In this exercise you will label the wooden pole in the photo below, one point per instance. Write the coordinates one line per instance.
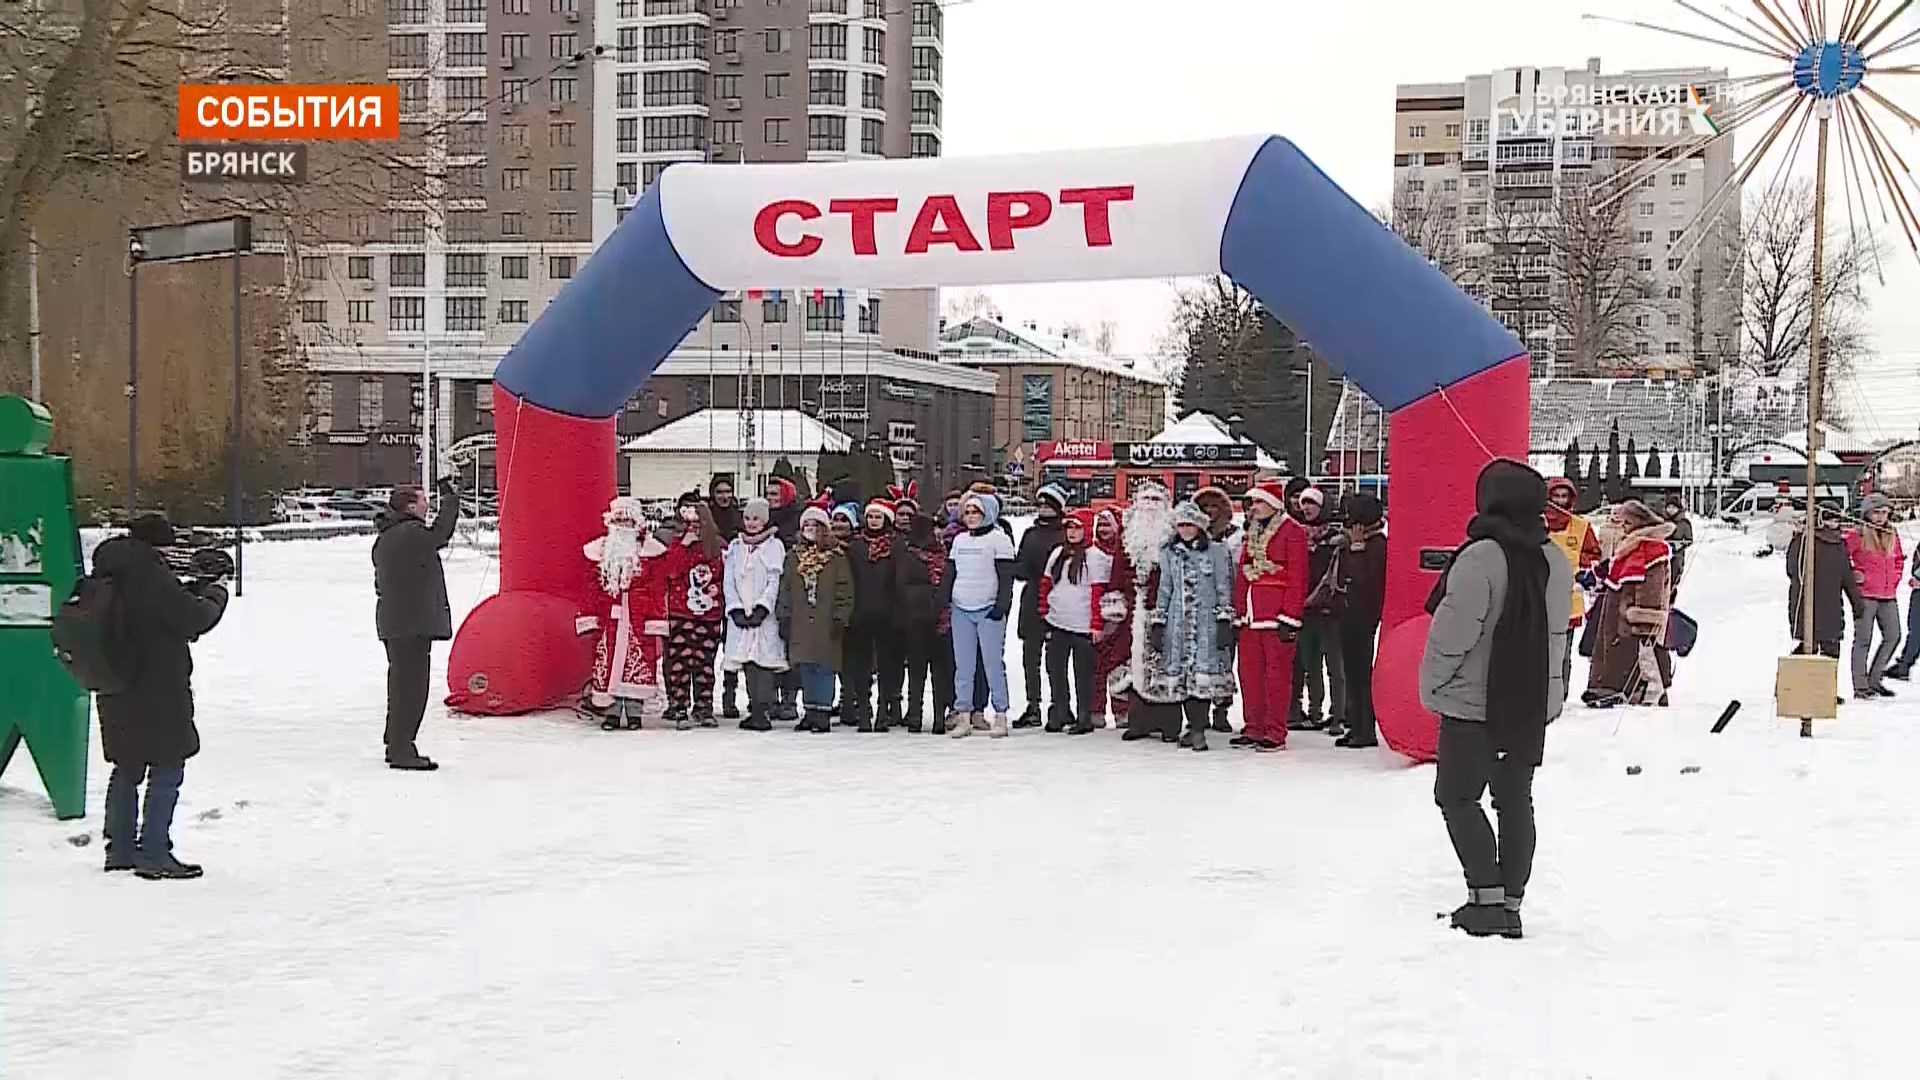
(1824, 110)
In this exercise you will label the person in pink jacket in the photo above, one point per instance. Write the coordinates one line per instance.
(1879, 564)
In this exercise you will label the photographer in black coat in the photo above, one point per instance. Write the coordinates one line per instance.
(411, 612)
(147, 729)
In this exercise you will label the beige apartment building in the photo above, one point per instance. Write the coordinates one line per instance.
(1476, 176)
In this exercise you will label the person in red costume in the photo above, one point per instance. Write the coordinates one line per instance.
(626, 662)
(1269, 599)
(1113, 642)
(695, 566)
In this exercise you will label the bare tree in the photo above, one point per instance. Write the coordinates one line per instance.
(969, 305)
(1105, 334)
(1777, 298)
(1429, 220)
(1603, 289)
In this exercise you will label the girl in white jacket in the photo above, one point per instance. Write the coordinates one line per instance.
(755, 561)
(1070, 591)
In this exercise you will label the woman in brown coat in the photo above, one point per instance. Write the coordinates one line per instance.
(1635, 593)
(814, 607)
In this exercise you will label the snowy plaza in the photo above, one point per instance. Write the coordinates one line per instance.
(559, 901)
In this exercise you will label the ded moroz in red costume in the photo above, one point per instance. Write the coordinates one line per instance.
(626, 663)
(1269, 597)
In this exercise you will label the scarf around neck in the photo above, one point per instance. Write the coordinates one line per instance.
(812, 559)
(1517, 676)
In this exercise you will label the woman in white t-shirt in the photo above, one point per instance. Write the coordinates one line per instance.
(1070, 590)
(981, 561)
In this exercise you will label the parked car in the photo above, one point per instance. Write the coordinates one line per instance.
(353, 509)
(303, 510)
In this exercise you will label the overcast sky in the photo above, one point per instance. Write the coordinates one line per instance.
(1030, 75)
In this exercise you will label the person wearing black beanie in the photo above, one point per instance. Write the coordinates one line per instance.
(1492, 673)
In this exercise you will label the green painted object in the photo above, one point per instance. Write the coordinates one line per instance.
(39, 563)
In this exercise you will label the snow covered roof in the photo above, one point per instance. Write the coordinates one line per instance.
(1205, 429)
(775, 431)
(983, 340)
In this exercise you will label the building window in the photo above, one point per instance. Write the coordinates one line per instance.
(923, 145)
(360, 312)
(564, 46)
(1450, 184)
(676, 88)
(466, 271)
(726, 86)
(465, 227)
(515, 7)
(406, 50)
(467, 50)
(359, 268)
(513, 179)
(628, 45)
(1643, 236)
(1675, 264)
(626, 177)
(827, 87)
(513, 135)
(1674, 292)
(313, 311)
(673, 43)
(1416, 131)
(926, 64)
(871, 132)
(406, 313)
(775, 130)
(873, 46)
(927, 17)
(1036, 407)
(1674, 235)
(466, 313)
(873, 91)
(726, 42)
(466, 11)
(772, 310)
(1643, 264)
(674, 133)
(513, 223)
(562, 224)
(650, 172)
(726, 132)
(560, 267)
(1678, 180)
(627, 135)
(513, 312)
(627, 96)
(1453, 131)
(1641, 322)
(407, 271)
(466, 180)
(313, 267)
(926, 108)
(561, 179)
(1673, 348)
(514, 92)
(413, 96)
(1673, 318)
(373, 403)
(726, 311)
(1645, 209)
(563, 91)
(407, 12)
(779, 41)
(826, 7)
(513, 267)
(468, 137)
(870, 316)
(826, 132)
(563, 7)
(513, 46)
(777, 85)
(825, 41)
(826, 313)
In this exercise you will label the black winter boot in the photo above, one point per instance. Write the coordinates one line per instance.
(1487, 920)
(1220, 722)
(167, 868)
(1030, 718)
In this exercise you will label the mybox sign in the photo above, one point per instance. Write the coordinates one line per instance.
(894, 224)
(1145, 454)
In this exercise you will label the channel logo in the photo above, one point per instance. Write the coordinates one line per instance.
(273, 113)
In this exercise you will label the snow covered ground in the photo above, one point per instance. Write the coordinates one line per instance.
(561, 902)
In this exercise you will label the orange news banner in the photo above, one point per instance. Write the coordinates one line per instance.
(277, 113)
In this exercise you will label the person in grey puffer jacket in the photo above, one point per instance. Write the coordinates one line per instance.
(1493, 672)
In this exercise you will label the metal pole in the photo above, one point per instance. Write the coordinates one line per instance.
(1825, 109)
(33, 309)
(133, 382)
(1309, 448)
(426, 409)
(236, 498)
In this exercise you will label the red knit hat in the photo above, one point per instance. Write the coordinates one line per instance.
(784, 487)
(884, 506)
(1271, 492)
(1082, 517)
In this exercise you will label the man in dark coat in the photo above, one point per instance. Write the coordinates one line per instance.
(411, 612)
(1029, 566)
(873, 643)
(147, 730)
(1834, 589)
(726, 508)
(1675, 511)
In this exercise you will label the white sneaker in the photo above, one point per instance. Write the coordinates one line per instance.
(960, 725)
(997, 728)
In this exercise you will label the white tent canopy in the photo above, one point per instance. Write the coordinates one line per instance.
(1206, 429)
(722, 431)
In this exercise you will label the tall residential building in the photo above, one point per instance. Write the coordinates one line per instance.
(537, 124)
(1479, 169)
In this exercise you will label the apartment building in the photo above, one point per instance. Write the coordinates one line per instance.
(1480, 164)
(530, 128)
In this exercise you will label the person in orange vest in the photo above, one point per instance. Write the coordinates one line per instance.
(1575, 537)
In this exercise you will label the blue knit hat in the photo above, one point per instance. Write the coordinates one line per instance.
(989, 506)
(850, 511)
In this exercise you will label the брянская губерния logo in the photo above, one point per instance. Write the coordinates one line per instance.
(1625, 109)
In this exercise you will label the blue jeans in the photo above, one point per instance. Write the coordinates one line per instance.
(1911, 652)
(124, 827)
(978, 639)
(816, 685)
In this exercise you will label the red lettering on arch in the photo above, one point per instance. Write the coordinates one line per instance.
(1096, 203)
(766, 228)
(1034, 210)
(940, 222)
(863, 211)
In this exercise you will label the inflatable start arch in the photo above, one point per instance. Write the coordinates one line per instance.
(1255, 209)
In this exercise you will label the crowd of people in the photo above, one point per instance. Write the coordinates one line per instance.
(889, 615)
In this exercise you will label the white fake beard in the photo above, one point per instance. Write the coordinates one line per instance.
(619, 559)
(1148, 527)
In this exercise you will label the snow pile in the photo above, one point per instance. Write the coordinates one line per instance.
(562, 902)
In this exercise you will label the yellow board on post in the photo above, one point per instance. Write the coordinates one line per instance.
(1807, 688)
